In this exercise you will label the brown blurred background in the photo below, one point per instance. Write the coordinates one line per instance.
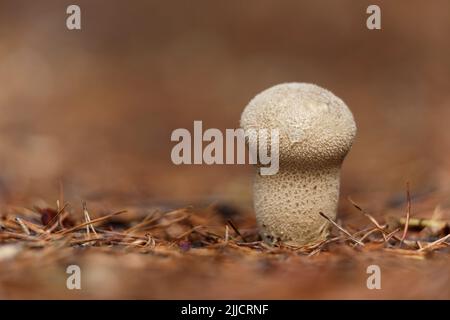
(95, 108)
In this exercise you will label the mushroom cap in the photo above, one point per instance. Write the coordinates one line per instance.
(315, 127)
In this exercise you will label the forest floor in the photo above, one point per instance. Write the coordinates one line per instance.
(215, 252)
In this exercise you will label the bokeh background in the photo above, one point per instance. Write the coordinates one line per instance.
(95, 108)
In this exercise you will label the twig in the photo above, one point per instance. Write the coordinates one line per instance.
(370, 217)
(53, 220)
(150, 242)
(342, 229)
(84, 241)
(226, 234)
(386, 235)
(419, 244)
(23, 226)
(236, 230)
(184, 234)
(369, 233)
(392, 234)
(435, 243)
(408, 214)
(149, 219)
(15, 235)
(88, 219)
(82, 225)
(59, 202)
(165, 225)
(33, 227)
(318, 247)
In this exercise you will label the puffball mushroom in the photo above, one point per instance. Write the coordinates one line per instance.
(316, 131)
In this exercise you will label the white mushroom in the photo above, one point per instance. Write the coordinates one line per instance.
(316, 131)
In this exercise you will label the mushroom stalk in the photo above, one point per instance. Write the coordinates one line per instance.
(288, 204)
